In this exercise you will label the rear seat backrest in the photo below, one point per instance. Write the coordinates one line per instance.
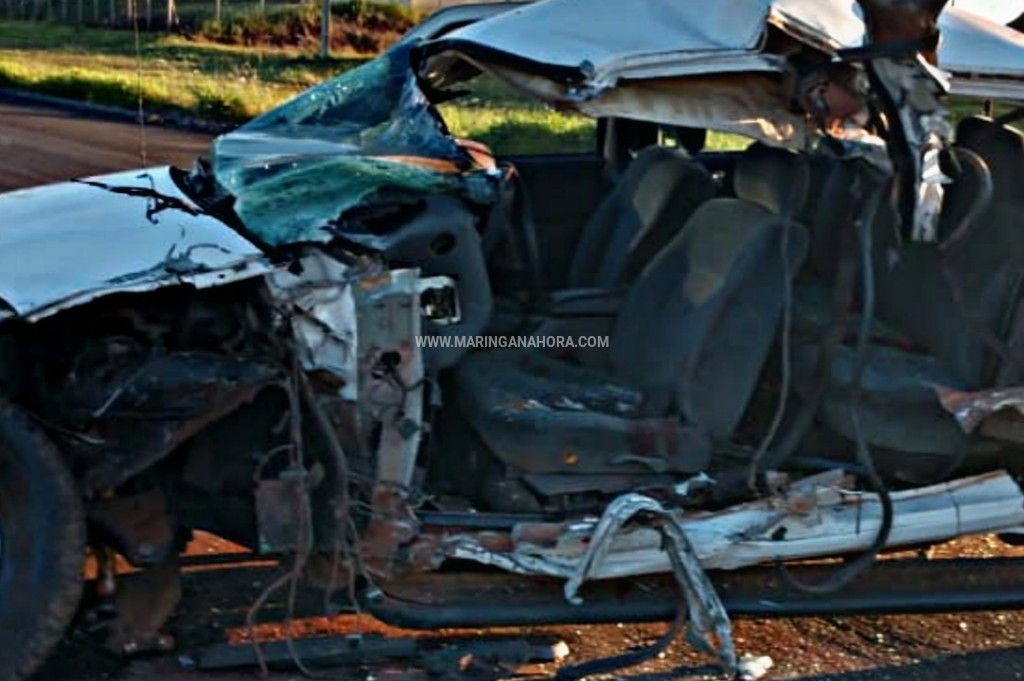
(1002, 149)
(956, 303)
(776, 179)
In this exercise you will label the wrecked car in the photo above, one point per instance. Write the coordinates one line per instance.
(814, 344)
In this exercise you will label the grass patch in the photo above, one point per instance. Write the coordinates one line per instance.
(223, 83)
(521, 131)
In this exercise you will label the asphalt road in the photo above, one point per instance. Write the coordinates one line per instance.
(39, 144)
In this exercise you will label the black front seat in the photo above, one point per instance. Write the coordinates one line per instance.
(686, 350)
(659, 191)
(657, 194)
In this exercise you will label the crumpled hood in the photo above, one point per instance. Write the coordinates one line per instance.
(65, 244)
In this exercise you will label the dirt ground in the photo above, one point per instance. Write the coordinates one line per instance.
(904, 648)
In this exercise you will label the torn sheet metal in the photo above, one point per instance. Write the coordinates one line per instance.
(977, 47)
(65, 244)
(391, 373)
(367, 137)
(709, 624)
(651, 68)
(667, 39)
(816, 517)
(391, 402)
(971, 409)
(322, 313)
(593, 44)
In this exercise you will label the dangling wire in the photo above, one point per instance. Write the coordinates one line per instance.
(846, 574)
(143, 155)
(797, 194)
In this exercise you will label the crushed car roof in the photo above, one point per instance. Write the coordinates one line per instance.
(588, 41)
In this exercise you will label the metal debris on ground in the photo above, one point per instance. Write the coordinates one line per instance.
(709, 629)
(753, 667)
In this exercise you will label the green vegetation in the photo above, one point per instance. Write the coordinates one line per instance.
(229, 83)
(521, 130)
(224, 83)
(356, 26)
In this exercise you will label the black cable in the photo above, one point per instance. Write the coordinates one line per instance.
(846, 574)
(842, 299)
(982, 201)
(797, 195)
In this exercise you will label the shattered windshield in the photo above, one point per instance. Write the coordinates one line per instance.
(367, 136)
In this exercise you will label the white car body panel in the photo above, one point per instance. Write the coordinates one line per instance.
(65, 244)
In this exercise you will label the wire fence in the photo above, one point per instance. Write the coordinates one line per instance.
(150, 14)
(169, 14)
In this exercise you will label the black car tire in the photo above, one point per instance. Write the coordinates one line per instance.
(42, 542)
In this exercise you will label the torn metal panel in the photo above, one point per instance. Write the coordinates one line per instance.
(748, 104)
(709, 623)
(972, 409)
(66, 244)
(391, 374)
(980, 49)
(668, 39)
(641, 70)
(598, 48)
(823, 24)
(391, 396)
(815, 518)
(146, 408)
(322, 314)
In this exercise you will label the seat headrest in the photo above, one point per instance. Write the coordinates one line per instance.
(649, 157)
(776, 179)
(979, 130)
(1002, 149)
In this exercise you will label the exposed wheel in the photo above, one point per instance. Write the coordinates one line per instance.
(42, 539)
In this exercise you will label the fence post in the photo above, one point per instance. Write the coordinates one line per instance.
(325, 29)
